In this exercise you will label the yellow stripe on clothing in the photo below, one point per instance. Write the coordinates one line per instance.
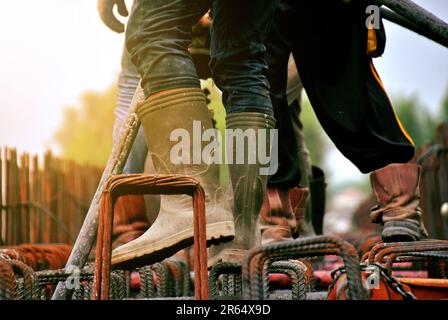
(377, 77)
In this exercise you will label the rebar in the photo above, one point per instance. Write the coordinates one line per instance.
(147, 285)
(370, 256)
(223, 268)
(163, 286)
(8, 284)
(25, 288)
(150, 184)
(295, 273)
(314, 246)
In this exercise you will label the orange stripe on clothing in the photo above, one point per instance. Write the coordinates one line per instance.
(377, 77)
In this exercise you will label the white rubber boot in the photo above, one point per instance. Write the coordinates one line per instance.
(173, 228)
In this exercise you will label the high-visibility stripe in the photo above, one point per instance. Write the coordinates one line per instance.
(377, 77)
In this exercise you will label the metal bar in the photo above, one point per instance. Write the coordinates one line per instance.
(200, 264)
(149, 184)
(371, 257)
(405, 23)
(220, 269)
(115, 164)
(423, 19)
(300, 248)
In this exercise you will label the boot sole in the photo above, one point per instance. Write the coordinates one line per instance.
(142, 255)
(400, 231)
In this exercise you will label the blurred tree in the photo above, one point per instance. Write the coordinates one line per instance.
(416, 118)
(85, 134)
(444, 111)
(316, 139)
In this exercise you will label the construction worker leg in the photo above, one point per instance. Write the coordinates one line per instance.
(238, 65)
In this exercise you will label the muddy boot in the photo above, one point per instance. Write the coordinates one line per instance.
(396, 188)
(168, 118)
(130, 220)
(299, 199)
(248, 186)
(276, 216)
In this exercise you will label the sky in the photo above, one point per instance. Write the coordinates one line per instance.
(52, 51)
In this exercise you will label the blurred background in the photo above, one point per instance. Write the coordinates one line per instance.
(59, 65)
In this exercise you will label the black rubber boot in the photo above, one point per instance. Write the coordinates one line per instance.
(248, 185)
(318, 198)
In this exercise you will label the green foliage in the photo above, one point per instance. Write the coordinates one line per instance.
(315, 138)
(416, 118)
(85, 134)
(219, 116)
(444, 107)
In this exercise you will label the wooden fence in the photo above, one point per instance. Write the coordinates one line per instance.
(434, 183)
(43, 200)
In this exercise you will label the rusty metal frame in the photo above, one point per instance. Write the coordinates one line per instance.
(388, 253)
(115, 165)
(141, 184)
(417, 256)
(254, 265)
(380, 251)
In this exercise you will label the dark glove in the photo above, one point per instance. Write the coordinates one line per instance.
(105, 9)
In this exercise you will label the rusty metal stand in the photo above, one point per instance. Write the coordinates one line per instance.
(115, 165)
(149, 184)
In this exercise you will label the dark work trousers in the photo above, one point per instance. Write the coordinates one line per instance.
(159, 32)
(329, 42)
(238, 53)
(158, 35)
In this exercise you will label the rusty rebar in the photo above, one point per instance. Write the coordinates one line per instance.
(147, 285)
(370, 256)
(163, 287)
(150, 184)
(379, 251)
(8, 284)
(256, 258)
(25, 289)
(177, 270)
(405, 256)
(295, 273)
(219, 269)
(260, 265)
